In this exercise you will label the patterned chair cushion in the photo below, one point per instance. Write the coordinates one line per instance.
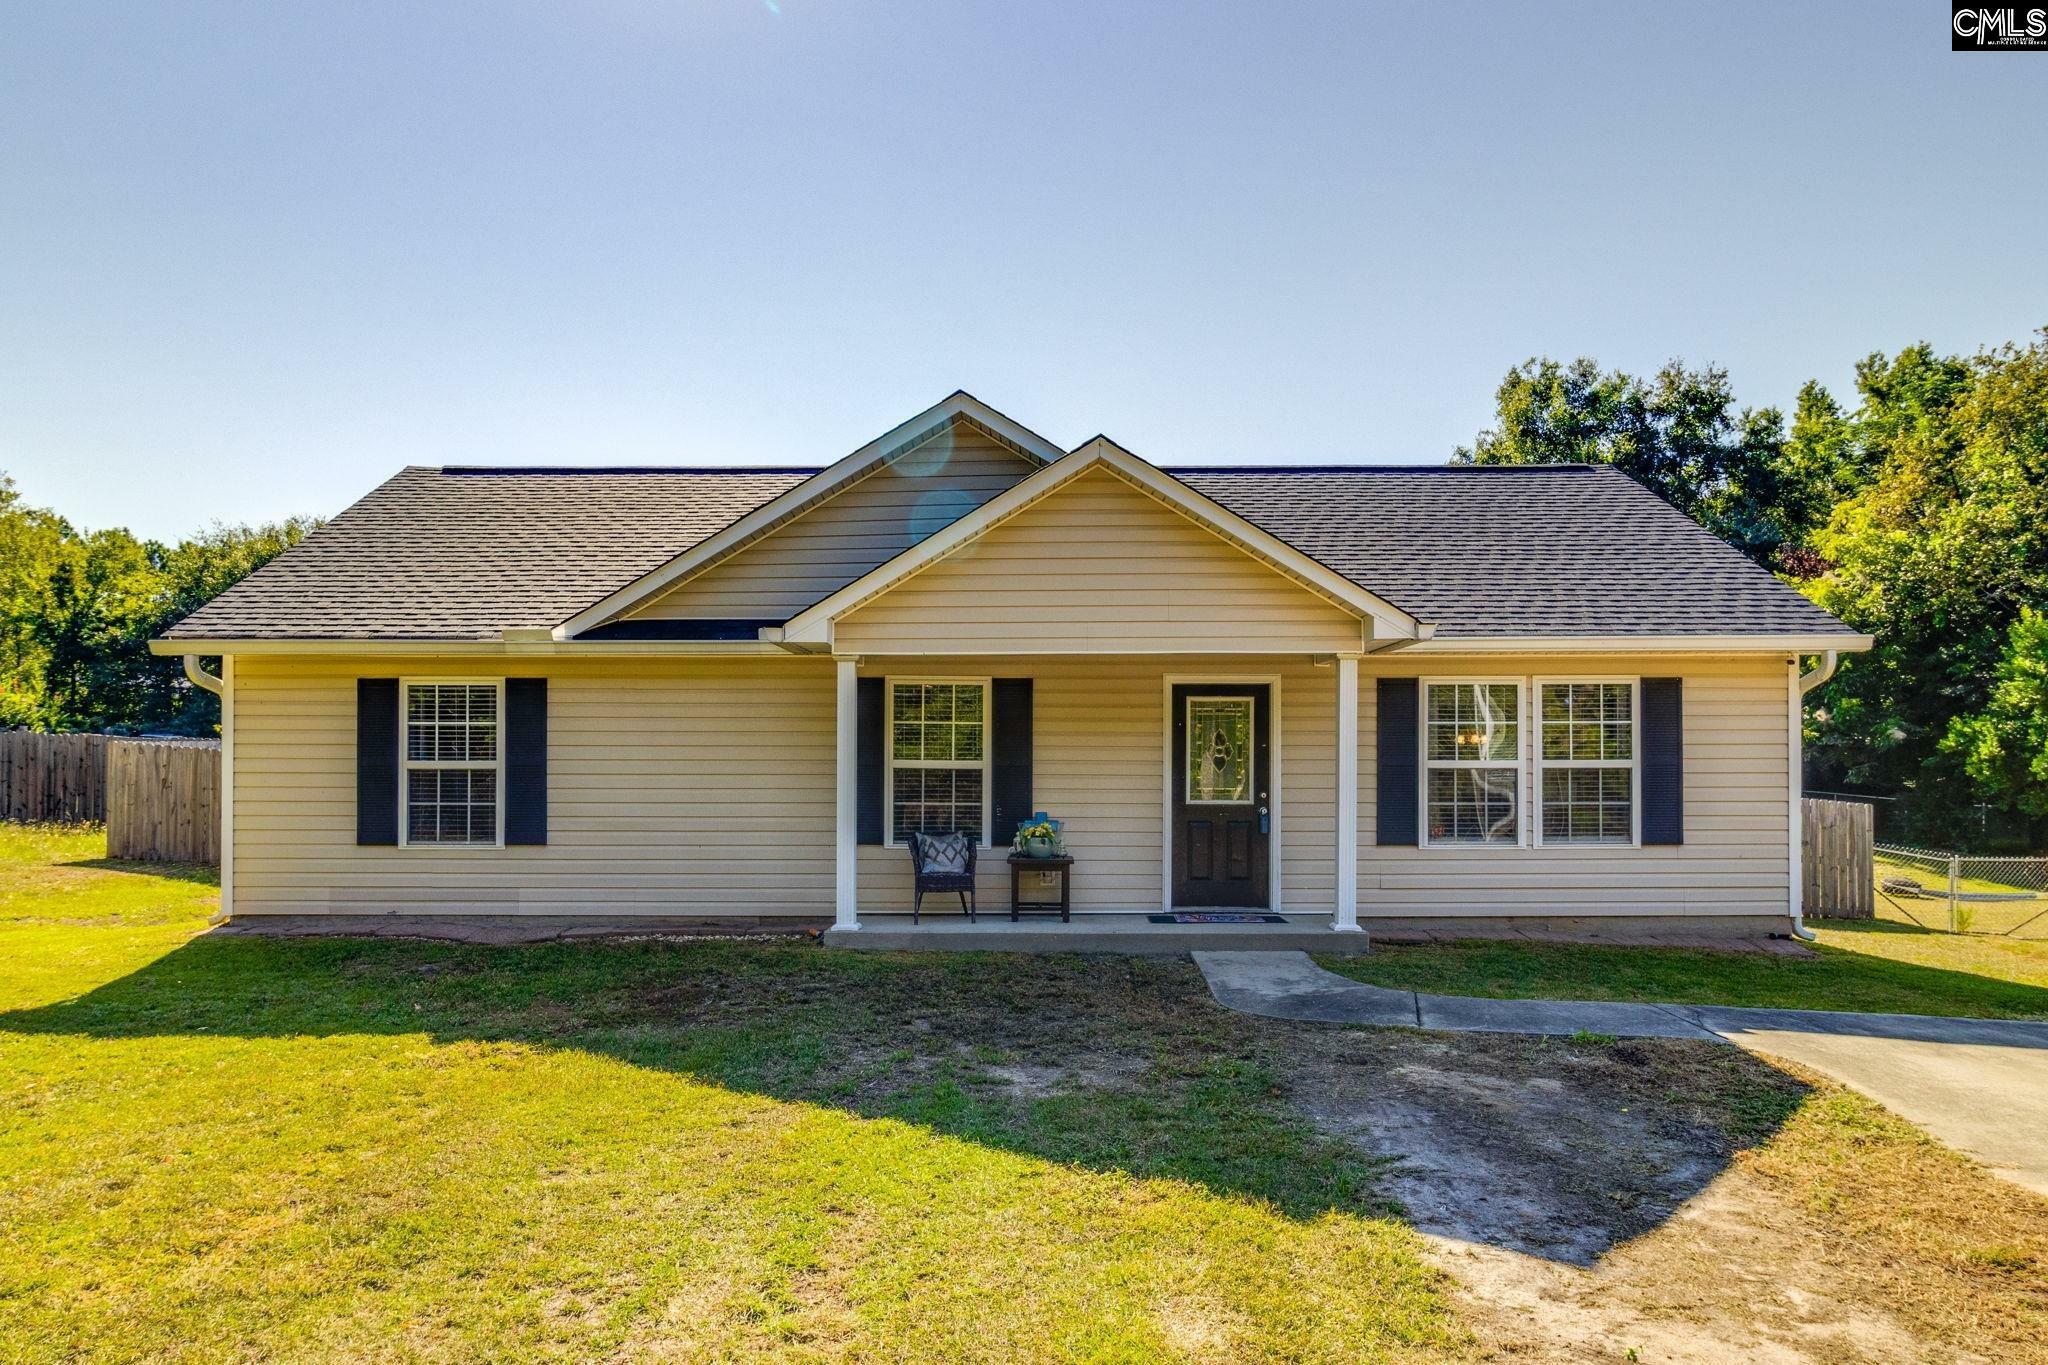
(944, 853)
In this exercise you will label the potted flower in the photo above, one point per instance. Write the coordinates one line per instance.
(1039, 839)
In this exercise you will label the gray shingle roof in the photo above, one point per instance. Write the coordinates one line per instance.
(463, 554)
(1518, 549)
(451, 554)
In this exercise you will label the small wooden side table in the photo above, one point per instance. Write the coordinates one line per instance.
(1064, 865)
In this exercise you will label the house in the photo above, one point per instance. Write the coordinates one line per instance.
(1358, 694)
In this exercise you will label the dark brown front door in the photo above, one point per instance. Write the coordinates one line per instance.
(1222, 818)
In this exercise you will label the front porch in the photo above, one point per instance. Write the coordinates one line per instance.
(1104, 932)
(1101, 742)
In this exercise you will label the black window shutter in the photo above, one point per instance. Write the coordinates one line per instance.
(872, 699)
(1663, 729)
(1010, 758)
(376, 760)
(1400, 773)
(526, 760)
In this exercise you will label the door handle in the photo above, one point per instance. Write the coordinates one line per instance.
(1265, 822)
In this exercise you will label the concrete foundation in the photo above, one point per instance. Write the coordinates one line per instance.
(518, 929)
(1087, 933)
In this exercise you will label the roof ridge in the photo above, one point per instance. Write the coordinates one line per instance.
(498, 470)
(1446, 468)
(559, 470)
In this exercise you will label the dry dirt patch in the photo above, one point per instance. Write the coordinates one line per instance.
(1674, 1199)
(1553, 1149)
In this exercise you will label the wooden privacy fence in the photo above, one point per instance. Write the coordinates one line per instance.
(160, 798)
(1836, 859)
(163, 801)
(52, 777)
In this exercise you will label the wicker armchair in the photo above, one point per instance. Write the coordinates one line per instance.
(925, 879)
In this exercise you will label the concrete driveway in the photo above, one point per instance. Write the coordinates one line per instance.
(1979, 1085)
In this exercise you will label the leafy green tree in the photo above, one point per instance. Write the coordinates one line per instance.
(190, 574)
(1937, 554)
(77, 613)
(1822, 465)
(1680, 434)
(97, 586)
(2004, 747)
(29, 543)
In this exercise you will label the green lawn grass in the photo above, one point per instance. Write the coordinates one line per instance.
(234, 1148)
(1880, 967)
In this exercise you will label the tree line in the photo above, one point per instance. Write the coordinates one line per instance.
(1917, 513)
(78, 609)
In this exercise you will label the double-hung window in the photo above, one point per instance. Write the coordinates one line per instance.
(938, 758)
(1586, 761)
(1472, 762)
(454, 763)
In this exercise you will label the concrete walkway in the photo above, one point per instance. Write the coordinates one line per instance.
(1979, 1085)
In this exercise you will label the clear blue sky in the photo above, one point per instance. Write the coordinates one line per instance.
(255, 257)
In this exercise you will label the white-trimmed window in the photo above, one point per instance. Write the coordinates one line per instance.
(1472, 762)
(452, 776)
(938, 757)
(1586, 760)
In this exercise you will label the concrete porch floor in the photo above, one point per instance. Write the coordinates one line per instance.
(1090, 933)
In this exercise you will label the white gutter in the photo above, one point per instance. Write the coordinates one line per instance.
(1424, 630)
(1795, 743)
(1646, 644)
(502, 648)
(200, 677)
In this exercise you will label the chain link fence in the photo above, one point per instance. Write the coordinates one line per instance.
(1962, 894)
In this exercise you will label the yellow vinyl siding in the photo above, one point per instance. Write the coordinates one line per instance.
(706, 787)
(823, 549)
(1734, 860)
(1306, 740)
(674, 788)
(1098, 566)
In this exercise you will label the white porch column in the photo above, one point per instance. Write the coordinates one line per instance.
(1346, 918)
(846, 875)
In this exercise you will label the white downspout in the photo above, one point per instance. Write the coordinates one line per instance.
(1795, 741)
(227, 788)
(1825, 670)
(199, 676)
(220, 687)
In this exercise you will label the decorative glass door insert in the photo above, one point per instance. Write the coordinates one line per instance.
(1219, 757)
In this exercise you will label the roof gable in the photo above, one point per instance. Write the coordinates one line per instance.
(813, 626)
(836, 539)
(901, 442)
(1100, 565)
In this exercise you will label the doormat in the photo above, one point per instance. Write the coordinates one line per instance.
(1215, 917)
